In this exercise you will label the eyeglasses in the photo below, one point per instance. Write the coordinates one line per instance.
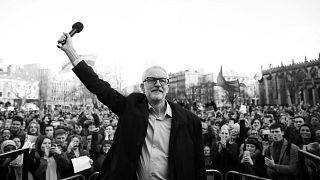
(152, 80)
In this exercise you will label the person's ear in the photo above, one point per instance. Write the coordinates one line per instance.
(142, 87)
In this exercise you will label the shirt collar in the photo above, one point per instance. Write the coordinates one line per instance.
(168, 111)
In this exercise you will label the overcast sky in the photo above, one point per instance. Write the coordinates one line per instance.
(130, 35)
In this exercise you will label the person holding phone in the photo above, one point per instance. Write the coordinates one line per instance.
(47, 160)
(252, 161)
(75, 150)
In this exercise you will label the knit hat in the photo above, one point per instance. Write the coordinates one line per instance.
(7, 143)
(254, 141)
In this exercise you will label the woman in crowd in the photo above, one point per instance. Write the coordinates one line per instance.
(47, 160)
(207, 157)
(75, 150)
(306, 136)
(224, 153)
(46, 120)
(256, 124)
(33, 128)
(252, 161)
(98, 152)
(5, 135)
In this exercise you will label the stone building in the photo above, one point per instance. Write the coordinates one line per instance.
(293, 84)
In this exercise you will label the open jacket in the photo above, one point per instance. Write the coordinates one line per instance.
(288, 166)
(38, 165)
(186, 159)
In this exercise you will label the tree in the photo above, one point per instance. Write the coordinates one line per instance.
(231, 97)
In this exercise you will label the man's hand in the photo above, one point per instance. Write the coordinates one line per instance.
(270, 162)
(68, 48)
(68, 42)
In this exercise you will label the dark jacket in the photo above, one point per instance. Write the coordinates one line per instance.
(227, 159)
(39, 165)
(288, 166)
(96, 153)
(258, 168)
(185, 145)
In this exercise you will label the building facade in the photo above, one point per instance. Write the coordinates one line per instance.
(291, 85)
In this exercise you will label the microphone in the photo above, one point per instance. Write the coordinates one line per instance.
(76, 28)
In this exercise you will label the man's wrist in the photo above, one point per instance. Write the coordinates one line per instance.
(73, 56)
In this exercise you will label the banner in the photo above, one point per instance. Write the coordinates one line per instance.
(230, 86)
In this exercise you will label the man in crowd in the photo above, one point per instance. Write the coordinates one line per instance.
(281, 157)
(292, 132)
(155, 138)
(16, 131)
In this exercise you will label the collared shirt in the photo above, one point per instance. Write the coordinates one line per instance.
(153, 162)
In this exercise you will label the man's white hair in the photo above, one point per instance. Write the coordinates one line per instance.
(153, 67)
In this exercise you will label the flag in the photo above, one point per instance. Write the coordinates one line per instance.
(230, 86)
(89, 59)
(257, 76)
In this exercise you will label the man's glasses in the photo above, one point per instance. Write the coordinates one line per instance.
(152, 80)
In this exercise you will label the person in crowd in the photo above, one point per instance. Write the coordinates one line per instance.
(317, 135)
(105, 123)
(210, 137)
(315, 122)
(18, 162)
(60, 138)
(46, 120)
(266, 120)
(17, 141)
(207, 157)
(49, 131)
(145, 119)
(47, 160)
(7, 171)
(16, 131)
(312, 167)
(33, 128)
(234, 135)
(7, 124)
(292, 132)
(306, 135)
(75, 150)
(5, 135)
(78, 130)
(98, 152)
(281, 158)
(252, 160)
(109, 134)
(256, 124)
(224, 153)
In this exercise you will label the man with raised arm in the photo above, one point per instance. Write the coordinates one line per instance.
(155, 138)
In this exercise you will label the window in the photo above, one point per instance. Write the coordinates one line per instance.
(0, 94)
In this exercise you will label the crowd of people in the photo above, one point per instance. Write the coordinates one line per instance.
(54, 139)
(263, 141)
